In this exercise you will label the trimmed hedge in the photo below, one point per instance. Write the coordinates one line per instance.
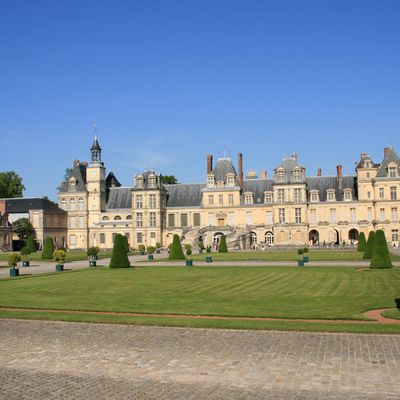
(380, 253)
(362, 242)
(119, 257)
(370, 245)
(31, 245)
(222, 245)
(48, 249)
(176, 252)
(126, 243)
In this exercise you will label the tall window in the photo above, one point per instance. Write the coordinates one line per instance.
(268, 198)
(139, 182)
(139, 201)
(152, 219)
(152, 182)
(248, 198)
(382, 214)
(139, 220)
(381, 193)
(268, 218)
(152, 201)
(331, 195)
(313, 216)
(102, 238)
(296, 175)
(211, 219)
(196, 219)
(171, 220)
(280, 176)
(269, 238)
(347, 195)
(297, 215)
(333, 215)
(369, 211)
(392, 172)
(393, 193)
(230, 199)
(139, 237)
(63, 204)
(72, 204)
(231, 180)
(297, 195)
(353, 215)
(314, 196)
(210, 199)
(231, 219)
(282, 218)
(81, 222)
(281, 196)
(249, 218)
(184, 220)
(395, 235)
(81, 204)
(368, 195)
(395, 216)
(221, 199)
(72, 222)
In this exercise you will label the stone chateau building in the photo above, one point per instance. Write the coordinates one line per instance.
(290, 208)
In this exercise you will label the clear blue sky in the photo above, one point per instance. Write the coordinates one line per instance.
(168, 82)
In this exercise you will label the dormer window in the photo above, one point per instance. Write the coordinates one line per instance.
(347, 195)
(230, 178)
(248, 198)
(330, 195)
(392, 172)
(268, 197)
(367, 164)
(152, 181)
(296, 175)
(72, 184)
(314, 196)
(139, 182)
(210, 181)
(280, 175)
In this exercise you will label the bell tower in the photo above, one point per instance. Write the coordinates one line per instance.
(96, 186)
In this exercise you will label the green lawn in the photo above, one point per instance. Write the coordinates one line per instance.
(284, 292)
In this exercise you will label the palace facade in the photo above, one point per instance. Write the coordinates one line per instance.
(290, 208)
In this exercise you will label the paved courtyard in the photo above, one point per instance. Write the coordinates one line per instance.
(58, 360)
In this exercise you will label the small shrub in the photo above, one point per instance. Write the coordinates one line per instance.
(25, 251)
(92, 251)
(119, 257)
(300, 252)
(222, 245)
(142, 248)
(380, 252)
(151, 249)
(176, 252)
(13, 259)
(62, 248)
(31, 245)
(188, 252)
(305, 250)
(59, 256)
(362, 243)
(48, 249)
(208, 249)
(158, 245)
(201, 245)
(187, 246)
(370, 245)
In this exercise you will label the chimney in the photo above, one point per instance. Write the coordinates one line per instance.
(264, 175)
(319, 172)
(84, 163)
(209, 164)
(364, 156)
(76, 163)
(294, 156)
(339, 176)
(240, 164)
(386, 151)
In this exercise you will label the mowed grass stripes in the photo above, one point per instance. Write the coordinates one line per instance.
(326, 293)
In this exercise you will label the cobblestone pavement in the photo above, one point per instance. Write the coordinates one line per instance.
(58, 360)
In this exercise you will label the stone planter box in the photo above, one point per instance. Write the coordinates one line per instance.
(25, 263)
(59, 267)
(208, 259)
(14, 272)
(150, 257)
(141, 253)
(300, 263)
(189, 263)
(158, 251)
(306, 259)
(92, 263)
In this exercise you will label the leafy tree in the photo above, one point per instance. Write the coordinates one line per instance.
(176, 252)
(10, 185)
(168, 180)
(362, 243)
(119, 257)
(60, 255)
(31, 245)
(370, 245)
(380, 253)
(13, 259)
(222, 245)
(67, 173)
(22, 228)
(48, 249)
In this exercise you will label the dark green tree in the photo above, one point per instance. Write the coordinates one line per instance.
(222, 245)
(168, 180)
(370, 245)
(362, 243)
(48, 249)
(119, 257)
(31, 245)
(22, 228)
(380, 253)
(126, 243)
(176, 252)
(10, 185)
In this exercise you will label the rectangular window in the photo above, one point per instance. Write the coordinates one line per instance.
(282, 218)
(297, 215)
(268, 198)
(281, 196)
(230, 199)
(231, 219)
(139, 201)
(248, 198)
(72, 240)
(184, 220)
(393, 193)
(152, 201)
(395, 216)
(381, 193)
(102, 238)
(331, 196)
(368, 195)
(171, 220)
(347, 195)
(353, 216)
(139, 237)
(313, 216)
(333, 215)
(152, 235)
(152, 219)
(139, 220)
(314, 196)
(221, 199)
(211, 219)
(249, 218)
(196, 219)
(395, 235)
(369, 214)
(210, 199)
(382, 214)
(392, 172)
(72, 222)
(81, 222)
(297, 195)
(268, 218)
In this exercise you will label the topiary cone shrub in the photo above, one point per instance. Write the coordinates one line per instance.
(119, 257)
(380, 253)
(126, 243)
(362, 243)
(222, 245)
(31, 245)
(370, 245)
(48, 249)
(176, 252)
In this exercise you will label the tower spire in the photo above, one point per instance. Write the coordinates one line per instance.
(95, 149)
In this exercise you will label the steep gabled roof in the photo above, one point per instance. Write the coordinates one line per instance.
(79, 173)
(257, 187)
(119, 197)
(223, 167)
(390, 156)
(184, 195)
(112, 181)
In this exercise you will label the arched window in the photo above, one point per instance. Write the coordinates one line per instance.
(269, 238)
(117, 218)
(72, 204)
(63, 204)
(105, 218)
(81, 204)
(129, 217)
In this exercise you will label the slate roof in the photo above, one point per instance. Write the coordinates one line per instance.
(222, 167)
(24, 204)
(289, 164)
(323, 183)
(184, 195)
(112, 180)
(146, 176)
(79, 173)
(390, 156)
(95, 145)
(257, 187)
(119, 197)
